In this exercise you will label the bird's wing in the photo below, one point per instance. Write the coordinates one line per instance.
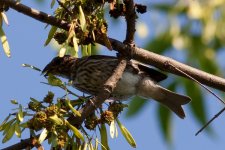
(101, 57)
(154, 74)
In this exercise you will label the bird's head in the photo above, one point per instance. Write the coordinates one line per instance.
(60, 66)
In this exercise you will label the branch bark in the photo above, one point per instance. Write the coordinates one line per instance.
(167, 64)
(23, 144)
(131, 17)
(102, 96)
(36, 14)
(136, 53)
(139, 54)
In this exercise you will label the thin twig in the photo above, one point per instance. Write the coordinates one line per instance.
(217, 115)
(36, 14)
(64, 88)
(220, 99)
(62, 5)
(97, 101)
(130, 16)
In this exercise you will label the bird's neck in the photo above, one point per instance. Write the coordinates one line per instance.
(66, 69)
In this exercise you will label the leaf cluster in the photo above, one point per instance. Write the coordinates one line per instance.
(49, 117)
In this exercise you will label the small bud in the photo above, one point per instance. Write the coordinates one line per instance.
(107, 117)
(91, 122)
(52, 110)
(141, 8)
(35, 106)
(116, 108)
(49, 97)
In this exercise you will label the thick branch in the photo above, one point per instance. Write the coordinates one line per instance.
(161, 62)
(23, 144)
(139, 54)
(131, 17)
(38, 15)
(166, 64)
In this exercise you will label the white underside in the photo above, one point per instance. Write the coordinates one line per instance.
(126, 86)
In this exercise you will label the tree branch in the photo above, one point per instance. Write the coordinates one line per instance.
(102, 96)
(161, 62)
(23, 144)
(90, 107)
(36, 14)
(164, 63)
(138, 54)
(131, 17)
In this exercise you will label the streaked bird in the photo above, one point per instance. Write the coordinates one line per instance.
(88, 74)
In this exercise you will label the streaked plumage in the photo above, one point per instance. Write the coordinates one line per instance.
(88, 74)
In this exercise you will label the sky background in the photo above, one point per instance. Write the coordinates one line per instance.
(27, 36)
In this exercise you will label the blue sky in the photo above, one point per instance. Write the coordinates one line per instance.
(27, 36)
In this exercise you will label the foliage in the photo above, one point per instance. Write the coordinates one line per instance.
(194, 27)
(50, 117)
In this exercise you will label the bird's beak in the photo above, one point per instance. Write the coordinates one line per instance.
(45, 71)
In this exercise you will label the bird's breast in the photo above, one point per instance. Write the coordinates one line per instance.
(126, 86)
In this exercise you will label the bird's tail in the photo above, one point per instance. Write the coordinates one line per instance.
(168, 98)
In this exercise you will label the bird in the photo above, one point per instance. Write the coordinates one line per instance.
(89, 73)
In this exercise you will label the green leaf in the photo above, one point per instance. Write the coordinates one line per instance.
(156, 45)
(51, 33)
(89, 49)
(113, 129)
(197, 103)
(7, 126)
(84, 50)
(135, 106)
(13, 101)
(24, 125)
(84, 146)
(43, 135)
(126, 134)
(106, 41)
(20, 114)
(75, 45)
(62, 52)
(32, 67)
(52, 3)
(2, 126)
(104, 137)
(82, 19)
(90, 146)
(72, 109)
(164, 115)
(54, 81)
(17, 130)
(9, 133)
(5, 18)
(96, 143)
(211, 67)
(56, 120)
(5, 43)
(75, 131)
(165, 122)
(34, 100)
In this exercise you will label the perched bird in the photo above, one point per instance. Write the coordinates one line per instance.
(88, 74)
